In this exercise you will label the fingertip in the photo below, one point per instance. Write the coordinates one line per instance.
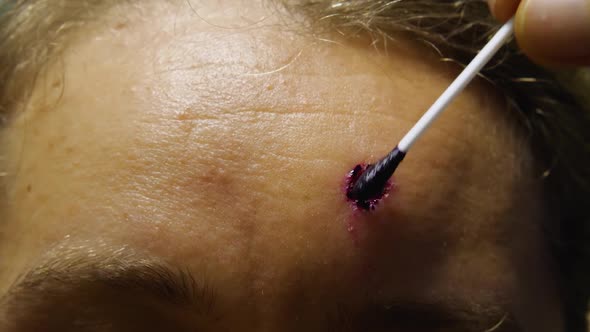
(558, 62)
(554, 33)
(543, 59)
(503, 10)
(492, 5)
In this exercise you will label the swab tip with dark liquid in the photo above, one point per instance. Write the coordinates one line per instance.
(372, 183)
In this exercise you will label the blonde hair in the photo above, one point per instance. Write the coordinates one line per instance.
(33, 33)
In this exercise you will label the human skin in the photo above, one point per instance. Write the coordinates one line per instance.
(550, 32)
(219, 144)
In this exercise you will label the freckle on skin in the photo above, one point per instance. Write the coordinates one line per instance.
(29, 188)
(120, 26)
(183, 116)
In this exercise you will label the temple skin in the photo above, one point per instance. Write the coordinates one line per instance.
(219, 143)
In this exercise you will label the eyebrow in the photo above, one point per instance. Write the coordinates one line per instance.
(122, 271)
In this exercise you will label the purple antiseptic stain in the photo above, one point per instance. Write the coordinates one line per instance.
(361, 207)
(363, 204)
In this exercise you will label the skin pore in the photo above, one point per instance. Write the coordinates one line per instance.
(214, 141)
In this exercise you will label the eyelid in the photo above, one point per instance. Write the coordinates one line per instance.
(426, 317)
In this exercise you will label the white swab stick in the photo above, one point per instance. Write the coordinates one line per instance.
(468, 74)
(373, 181)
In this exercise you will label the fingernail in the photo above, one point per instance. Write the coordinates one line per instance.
(555, 29)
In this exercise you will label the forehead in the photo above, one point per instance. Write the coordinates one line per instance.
(235, 129)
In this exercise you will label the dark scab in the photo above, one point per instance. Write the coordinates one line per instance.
(363, 204)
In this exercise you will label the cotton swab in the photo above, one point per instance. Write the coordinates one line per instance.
(373, 181)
